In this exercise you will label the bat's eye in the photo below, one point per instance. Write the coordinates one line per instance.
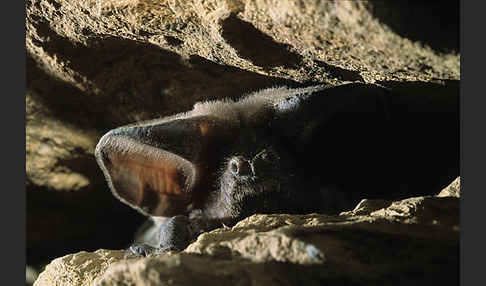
(267, 155)
(239, 166)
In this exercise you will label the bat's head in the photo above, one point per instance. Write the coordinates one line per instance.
(221, 164)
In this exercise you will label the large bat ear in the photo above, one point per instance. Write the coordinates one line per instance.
(154, 167)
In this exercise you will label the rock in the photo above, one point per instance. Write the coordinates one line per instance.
(409, 242)
(453, 190)
(78, 269)
(55, 150)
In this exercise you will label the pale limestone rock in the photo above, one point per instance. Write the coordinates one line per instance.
(415, 240)
(453, 190)
(78, 269)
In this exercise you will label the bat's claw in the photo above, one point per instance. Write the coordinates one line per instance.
(171, 236)
(139, 250)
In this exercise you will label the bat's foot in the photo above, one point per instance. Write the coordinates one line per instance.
(139, 250)
(174, 234)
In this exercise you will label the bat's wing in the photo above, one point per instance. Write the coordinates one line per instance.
(155, 167)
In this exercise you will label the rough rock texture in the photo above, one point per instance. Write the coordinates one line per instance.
(453, 190)
(78, 269)
(94, 65)
(409, 242)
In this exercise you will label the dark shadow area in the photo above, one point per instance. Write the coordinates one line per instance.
(173, 41)
(340, 73)
(63, 222)
(433, 23)
(398, 145)
(256, 46)
(59, 223)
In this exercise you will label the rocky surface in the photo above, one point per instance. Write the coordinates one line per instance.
(453, 190)
(81, 268)
(409, 242)
(95, 65)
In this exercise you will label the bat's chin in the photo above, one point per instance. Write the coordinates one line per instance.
(150, 179)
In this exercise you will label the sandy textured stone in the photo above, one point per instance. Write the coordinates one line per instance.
(414, 241)
(55, 149)
(453, 190)
(123, 61)
(78, 269)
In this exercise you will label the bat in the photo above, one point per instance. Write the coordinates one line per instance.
(278, 150)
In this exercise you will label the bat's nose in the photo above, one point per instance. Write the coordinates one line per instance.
(240, 166)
